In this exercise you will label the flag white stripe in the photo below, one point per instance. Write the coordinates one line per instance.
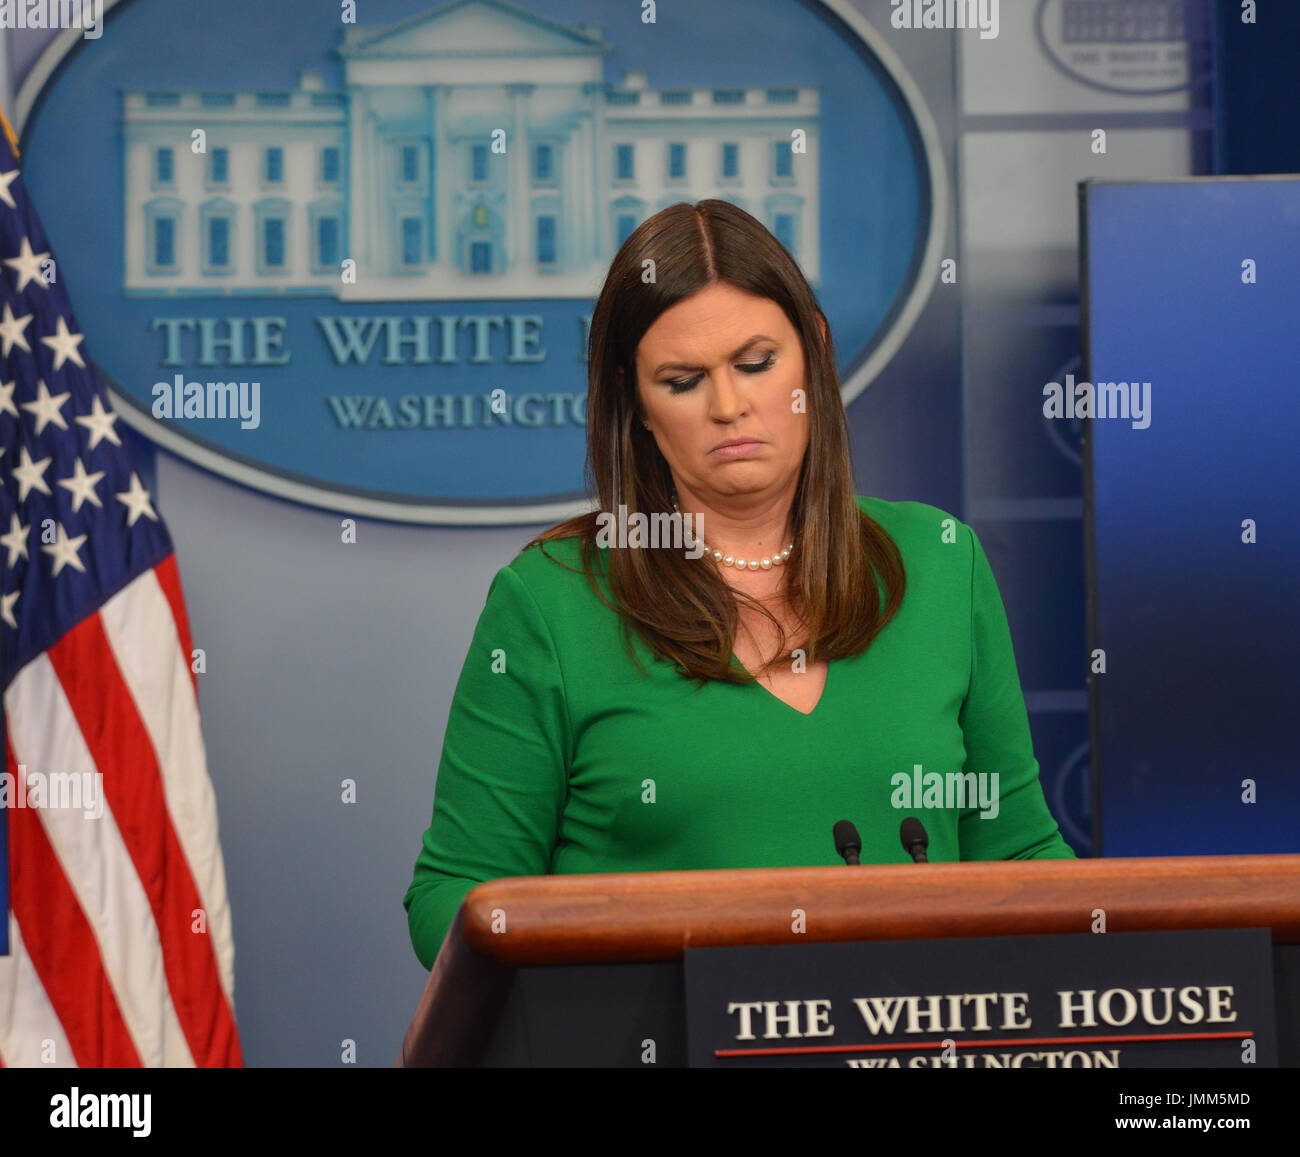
(45, 738)
(27, 1018)
(146, 645)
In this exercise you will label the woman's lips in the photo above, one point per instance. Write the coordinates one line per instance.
(738, 450)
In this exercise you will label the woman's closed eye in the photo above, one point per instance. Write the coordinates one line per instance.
(681, 385)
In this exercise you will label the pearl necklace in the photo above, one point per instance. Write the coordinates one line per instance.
(740, 563)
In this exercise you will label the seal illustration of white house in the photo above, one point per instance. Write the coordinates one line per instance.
(474, 151)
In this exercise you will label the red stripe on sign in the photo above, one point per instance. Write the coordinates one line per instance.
(133, 790)
(169, 578)
(62, 945)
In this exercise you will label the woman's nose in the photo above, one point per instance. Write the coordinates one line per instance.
(726, 403)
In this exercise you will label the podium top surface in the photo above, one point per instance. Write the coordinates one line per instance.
(654, 915)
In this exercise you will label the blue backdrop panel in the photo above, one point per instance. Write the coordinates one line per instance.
(1198, 626)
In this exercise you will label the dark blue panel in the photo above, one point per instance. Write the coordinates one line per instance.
(1199, 627)
(1257, 80)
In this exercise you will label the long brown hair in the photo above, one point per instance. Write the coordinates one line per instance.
(681, 607)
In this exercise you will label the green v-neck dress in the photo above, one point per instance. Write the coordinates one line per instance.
(561, 756)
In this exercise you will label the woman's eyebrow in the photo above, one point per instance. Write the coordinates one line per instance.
(734, 353)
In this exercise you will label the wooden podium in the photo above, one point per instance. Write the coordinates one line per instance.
(625, 920)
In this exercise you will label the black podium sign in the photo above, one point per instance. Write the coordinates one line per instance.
(1115, 1000)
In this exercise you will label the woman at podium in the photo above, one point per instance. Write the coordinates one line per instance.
(734, 651)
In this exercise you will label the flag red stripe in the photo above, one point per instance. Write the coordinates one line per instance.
(62, 946)
(169, 578)
(133, 791)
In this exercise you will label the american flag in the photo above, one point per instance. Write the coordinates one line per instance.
(120, 947)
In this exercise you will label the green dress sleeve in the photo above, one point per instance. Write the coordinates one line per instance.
(996, 729)
(503, 774)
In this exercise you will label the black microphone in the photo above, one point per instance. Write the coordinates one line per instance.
(847, 841)
(915, 841)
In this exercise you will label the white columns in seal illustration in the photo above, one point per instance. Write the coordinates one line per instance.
(519, 202)
(444, 176)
